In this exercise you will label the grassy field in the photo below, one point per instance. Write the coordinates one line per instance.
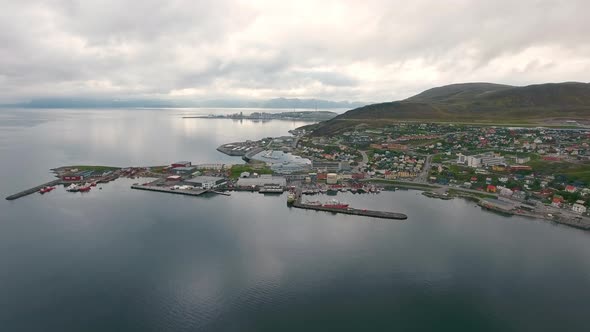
(95, 168)
(236, 170)
(572, 171)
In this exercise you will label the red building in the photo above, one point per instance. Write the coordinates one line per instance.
(181, 164)
(72, 177)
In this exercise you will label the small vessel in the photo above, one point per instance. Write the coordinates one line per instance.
(291, 198)
(46, 189)
(85, 188)
(313, 203)
(73, 187)
(335, 204)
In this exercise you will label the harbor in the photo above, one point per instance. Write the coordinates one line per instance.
(187, 192)
(352, 211)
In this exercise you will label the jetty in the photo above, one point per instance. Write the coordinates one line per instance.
(355, 212)
(33, 190)
(187, 192)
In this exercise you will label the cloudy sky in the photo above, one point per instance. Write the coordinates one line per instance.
(369, 50)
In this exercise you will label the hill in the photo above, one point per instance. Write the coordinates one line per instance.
(484, 103)
(83, 102)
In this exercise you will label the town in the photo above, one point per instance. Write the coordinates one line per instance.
(536, 172)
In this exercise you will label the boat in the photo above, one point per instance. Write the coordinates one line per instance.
(73, 187)
(291, 198)
(46, 189)
(335, 204)
(84, 189)
(313, 203)
(332, 191)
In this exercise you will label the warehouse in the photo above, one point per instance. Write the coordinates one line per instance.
(184, 170)
(264, 180)
(206, 182)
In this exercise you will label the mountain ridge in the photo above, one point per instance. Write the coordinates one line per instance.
(476, 103)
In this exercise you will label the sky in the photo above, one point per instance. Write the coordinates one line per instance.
(369, 50)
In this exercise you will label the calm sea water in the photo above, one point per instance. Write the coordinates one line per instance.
(123, 260)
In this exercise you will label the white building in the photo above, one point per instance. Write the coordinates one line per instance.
(579, 207)
(478, 160)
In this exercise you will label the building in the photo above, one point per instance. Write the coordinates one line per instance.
(263, 180)
(206, 182)
(181, 164)
(326, 166)
(579, 207)
(174, 178)
(485, 159)
(332, 178)
(182, 170)
(72, 177)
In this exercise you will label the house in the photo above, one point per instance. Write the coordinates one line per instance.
(491, 188)
(571, 189)
(556, 201)
(579, 207)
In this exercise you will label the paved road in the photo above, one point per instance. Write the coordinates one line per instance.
(423, 177)
(365, 158)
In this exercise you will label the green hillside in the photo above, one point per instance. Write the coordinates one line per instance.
(484, 103)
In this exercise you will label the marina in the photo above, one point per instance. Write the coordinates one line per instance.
(187, 192)
(352, 211)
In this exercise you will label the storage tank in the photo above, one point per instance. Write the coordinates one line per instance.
(332, 178)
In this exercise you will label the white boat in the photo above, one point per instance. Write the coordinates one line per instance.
(73, 187)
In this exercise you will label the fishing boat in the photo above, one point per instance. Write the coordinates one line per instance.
(73, 187)
(85, 188)
(335, 204)
(46, 189)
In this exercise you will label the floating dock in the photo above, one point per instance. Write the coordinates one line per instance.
(187, 192)
(355, 212)
(33, 190)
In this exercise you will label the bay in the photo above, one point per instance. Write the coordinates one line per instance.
(122, 260)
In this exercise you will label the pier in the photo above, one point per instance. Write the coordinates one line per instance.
(187, 192)
(355, 212)
(33, 190)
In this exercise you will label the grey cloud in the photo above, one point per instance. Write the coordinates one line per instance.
(376, 50)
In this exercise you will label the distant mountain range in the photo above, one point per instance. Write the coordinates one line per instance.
(287, 103)
(475, 103)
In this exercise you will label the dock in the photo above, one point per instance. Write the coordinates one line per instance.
(355, 212)
(33, 190)
(187, 192)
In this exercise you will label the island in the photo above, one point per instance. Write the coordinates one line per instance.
(312, 116)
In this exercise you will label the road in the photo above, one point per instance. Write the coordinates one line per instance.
(423, 177)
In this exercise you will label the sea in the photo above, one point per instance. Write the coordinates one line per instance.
(118, 259)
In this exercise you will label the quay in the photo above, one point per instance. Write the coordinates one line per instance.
(33, 190)
(355, 212)
(188, 192)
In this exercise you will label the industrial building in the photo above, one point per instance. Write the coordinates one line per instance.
(206, 182)
(263, 180)
(184, 170)
(326, 166)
